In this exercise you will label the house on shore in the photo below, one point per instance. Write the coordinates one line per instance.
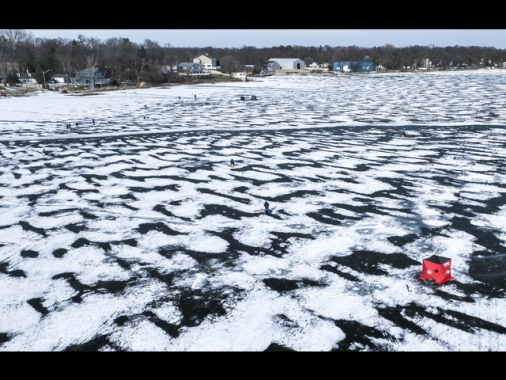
(192, 70)
(207, 63)
(91, 78)
(28, 80)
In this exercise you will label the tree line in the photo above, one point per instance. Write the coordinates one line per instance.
(125, 60)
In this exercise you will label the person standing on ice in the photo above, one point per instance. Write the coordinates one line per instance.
(266, 206)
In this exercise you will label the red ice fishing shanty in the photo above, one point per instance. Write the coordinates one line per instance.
(437, 268)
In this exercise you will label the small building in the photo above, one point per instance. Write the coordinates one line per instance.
(58, 81)
(353, 66)
(242, 75)
(286, 64)
(91, 78)
(252, 70)
(207, 63)
(437, 268)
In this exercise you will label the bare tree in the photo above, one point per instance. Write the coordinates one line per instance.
(153, 70)
(12, 42)
(14, 37)
(230, 64)
(64, 55)
(118, 56)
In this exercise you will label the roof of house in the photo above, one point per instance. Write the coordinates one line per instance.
(89, 71)
(25, 75)
(282, 61)
(188, 64)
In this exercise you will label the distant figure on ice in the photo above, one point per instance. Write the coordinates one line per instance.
(267, 210)
(232, 163)
(93, 121)
(404, 134)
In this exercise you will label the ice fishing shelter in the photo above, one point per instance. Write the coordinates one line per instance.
(437, 268)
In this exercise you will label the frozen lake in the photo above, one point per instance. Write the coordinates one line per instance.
(129, 232)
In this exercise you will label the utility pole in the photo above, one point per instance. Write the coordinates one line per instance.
(44, 77)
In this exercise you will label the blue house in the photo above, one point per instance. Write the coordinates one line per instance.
(192, 69)
(353, 67)
(92, 77)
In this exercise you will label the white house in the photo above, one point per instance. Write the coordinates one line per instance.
(242, 75)
(58, 80)
(207, 63)
(274, 64)
(26, 78)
